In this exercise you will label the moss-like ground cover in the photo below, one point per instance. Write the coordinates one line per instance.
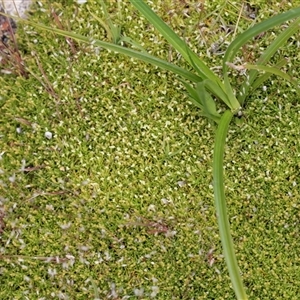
(105, 170)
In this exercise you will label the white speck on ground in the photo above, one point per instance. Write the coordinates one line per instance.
(48, 135)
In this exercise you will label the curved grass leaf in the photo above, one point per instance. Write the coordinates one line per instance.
(274, 71)
(203, 100)
(193, 95)
(246, 36)
(133, 43)
(209, 105)
(220, 203)
(113, 31)
(267, 54)
(203, 71)
(116, 48)
(262, 78)
(218, 89)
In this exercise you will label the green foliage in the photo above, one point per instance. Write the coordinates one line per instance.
(207, 90)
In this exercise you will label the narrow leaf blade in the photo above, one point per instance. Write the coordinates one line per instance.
(247, 35)
(266, 56)
(208, 103)
(203, 71)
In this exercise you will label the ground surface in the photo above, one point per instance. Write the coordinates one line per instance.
(16, 7)
(105, 170)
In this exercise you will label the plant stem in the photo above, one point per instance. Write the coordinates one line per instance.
(220, 203)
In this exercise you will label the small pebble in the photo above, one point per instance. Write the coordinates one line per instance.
(48, 135)
(181, 183)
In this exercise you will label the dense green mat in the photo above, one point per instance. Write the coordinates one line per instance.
(106, 170)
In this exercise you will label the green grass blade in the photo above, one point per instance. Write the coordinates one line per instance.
(116, 48)
(133, 43)
(192, 93)
(217, 88)
(262, 78)
(197, 100)
(114, 29)
(275, 71)
(209, 105)
(95, 288)
(113, 32)
(203, 71)
(266, 55)
(234, 104)
(220, 203)
(246, 36)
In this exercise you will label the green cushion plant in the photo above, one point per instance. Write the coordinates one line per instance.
(207, 90)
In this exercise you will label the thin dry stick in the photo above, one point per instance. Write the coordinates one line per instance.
(70, 41)
(49, 259)
(47, 85)
(12, 54)
(238, 20)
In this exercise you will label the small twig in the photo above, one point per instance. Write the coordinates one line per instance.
(31, 169)
(157, 226)
(2, 223)
(77, 100)
(11, 55)
(50, 259)
(238, 20)
(60, 192)
(69, 41)
(47, 85)
(236, 67)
